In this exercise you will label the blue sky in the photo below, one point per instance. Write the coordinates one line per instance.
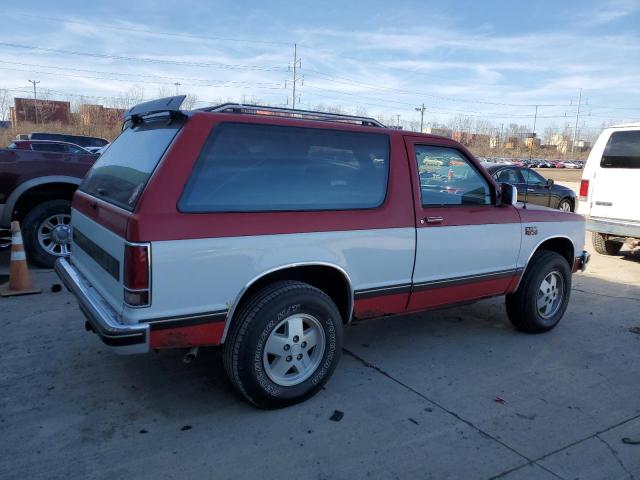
(491, 60)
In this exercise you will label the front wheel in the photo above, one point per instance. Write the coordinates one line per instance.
(284, 344)
(543, 295)
(565, 205)
(47, 232)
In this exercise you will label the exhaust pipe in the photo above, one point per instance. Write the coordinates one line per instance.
(190, 356)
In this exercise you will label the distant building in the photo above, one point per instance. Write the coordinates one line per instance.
(99, 115)
(472, 139)
(581, 145)
(532, 141)
(560, 141)
(511, 143)
(443, 132)
(24, 110)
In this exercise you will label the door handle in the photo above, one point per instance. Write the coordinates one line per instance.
(432, 220)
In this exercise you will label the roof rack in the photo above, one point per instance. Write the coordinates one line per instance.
(292, 113)
(170, 105)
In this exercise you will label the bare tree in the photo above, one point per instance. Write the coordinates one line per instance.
(4, 103)
(461, 123)
(190, 101)
(165, 91)
(128, 99)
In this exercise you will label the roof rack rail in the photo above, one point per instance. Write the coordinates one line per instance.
(170, 105)
(293, 113)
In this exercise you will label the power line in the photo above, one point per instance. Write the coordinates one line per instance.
(142, 75)
(221, 84)
(144, 59)
(340, 79)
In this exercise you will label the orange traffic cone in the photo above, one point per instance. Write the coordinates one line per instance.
(19, 279)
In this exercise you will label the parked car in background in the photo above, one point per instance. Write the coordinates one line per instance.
(36, 186)
(82, 140)
(47, 146)
(533, 187)
(609, 192)
(265, 230)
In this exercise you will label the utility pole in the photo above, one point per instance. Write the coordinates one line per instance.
(398, 117)
(177, 84)
(575, 129)
(297, 63)
(533, 134)
(421, 110)
(35, 98)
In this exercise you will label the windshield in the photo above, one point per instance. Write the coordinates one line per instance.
(121, 173)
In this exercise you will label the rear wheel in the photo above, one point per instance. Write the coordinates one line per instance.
(604, 246)
(543, 295)
(284, 344)
(47, 232)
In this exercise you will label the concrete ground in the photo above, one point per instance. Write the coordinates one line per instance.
(448, 394)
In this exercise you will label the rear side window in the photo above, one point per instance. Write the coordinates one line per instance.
(48, 147)
(253, 168)
(122, 171)
(622, 150)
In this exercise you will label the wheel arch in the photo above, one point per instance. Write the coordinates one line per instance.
(570, 199)
(59, 184)
(330, 278)
(560, 244)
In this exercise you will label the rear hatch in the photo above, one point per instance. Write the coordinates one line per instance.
(615, 192)
(112, 189)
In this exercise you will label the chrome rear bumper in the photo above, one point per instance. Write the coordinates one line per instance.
(100, 316)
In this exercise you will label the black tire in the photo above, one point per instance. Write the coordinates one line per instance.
(565, 201)
(522, 305)
(32, 222)
(244, 347)
(604, 246)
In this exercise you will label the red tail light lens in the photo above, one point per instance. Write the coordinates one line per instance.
(584, 190)
(136, 275)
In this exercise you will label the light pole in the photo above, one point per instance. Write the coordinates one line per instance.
(421, 110)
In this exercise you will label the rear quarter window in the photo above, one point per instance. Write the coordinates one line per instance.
(622, 150)
(253, 168)
(122, 171)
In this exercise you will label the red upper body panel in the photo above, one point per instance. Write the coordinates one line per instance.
(156, 216)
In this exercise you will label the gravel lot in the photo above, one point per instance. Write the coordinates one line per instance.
(448, 394)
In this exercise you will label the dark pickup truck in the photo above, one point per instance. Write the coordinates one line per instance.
(36, 188)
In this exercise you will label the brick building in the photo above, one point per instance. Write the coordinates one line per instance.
(24, 110)
(99, 115)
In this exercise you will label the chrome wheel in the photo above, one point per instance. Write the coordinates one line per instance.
(294, 350)
(54, 234)
(565, 206)
(550, 295)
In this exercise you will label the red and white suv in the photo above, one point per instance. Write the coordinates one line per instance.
(266, 230)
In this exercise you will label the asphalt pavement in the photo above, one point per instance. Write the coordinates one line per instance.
(454, 393)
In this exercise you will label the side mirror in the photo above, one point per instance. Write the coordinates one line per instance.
(508, 194)
(549, 182)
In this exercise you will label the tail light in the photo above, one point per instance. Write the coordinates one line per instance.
(584, 190)
(136, 278)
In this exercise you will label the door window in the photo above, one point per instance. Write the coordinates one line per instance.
(509, 175)
(532, 178)
(448, 178)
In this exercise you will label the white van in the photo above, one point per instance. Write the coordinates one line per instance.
(609, 193)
